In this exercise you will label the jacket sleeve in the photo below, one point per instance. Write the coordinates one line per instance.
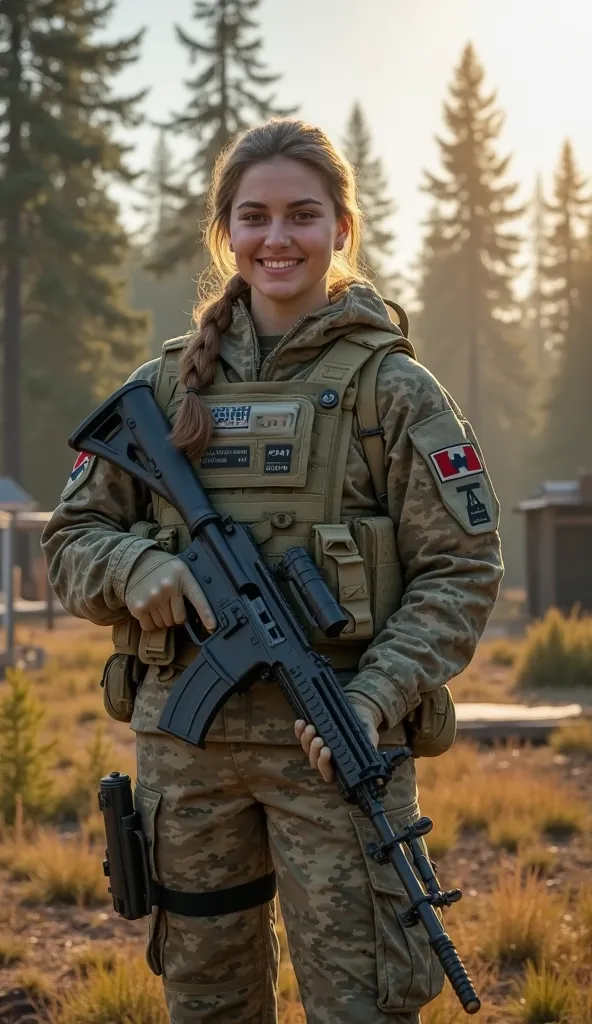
(446, 516)
(88, 548)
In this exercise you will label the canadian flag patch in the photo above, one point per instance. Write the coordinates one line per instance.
(456, 461)
(79, 466)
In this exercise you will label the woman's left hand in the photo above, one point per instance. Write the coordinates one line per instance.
(318, 754)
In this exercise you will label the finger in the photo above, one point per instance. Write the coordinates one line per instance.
(178, 609)
(159, 622)
(307, 737)
(146, 621)
(315, 749)
(299, 727)
(196, 596)
(164, 610)
(324, 765)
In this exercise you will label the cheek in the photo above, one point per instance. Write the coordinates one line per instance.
(244, 240)
(317, 242)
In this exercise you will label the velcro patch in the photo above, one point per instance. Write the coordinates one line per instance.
(456, 461)
(449, 448)
(81, 471)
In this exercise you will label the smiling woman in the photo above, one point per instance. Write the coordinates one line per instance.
(308, 420)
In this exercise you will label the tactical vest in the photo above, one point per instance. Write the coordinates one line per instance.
(276, 462)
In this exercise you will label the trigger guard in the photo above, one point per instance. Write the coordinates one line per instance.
(194, 626)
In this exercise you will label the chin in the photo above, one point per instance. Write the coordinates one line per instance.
(282, 291)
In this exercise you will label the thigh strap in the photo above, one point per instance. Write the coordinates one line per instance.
(216, 901)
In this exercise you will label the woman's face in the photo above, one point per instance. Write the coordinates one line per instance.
(283, 230)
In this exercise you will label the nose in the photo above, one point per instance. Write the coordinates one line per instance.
(277, 238)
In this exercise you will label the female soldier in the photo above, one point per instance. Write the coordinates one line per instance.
(263, 399)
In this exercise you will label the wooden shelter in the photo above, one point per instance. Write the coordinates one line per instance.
(559, 546)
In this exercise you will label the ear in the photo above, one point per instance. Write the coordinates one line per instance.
(342, 235)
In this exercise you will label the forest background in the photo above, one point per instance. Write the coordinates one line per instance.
(112, 113)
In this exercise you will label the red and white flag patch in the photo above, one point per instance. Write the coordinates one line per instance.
(456, 461)
(79, 466)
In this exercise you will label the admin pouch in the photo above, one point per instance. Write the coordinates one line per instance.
(276, 463)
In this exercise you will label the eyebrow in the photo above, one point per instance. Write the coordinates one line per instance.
(291, 206)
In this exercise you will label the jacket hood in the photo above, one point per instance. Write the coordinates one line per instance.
(357, 305)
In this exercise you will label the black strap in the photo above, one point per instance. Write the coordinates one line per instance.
(217, 901)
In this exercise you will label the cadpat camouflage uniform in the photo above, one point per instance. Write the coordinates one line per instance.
(223, 816)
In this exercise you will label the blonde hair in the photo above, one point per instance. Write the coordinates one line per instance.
(294, 140)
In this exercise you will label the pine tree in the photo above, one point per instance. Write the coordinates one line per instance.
(538, 324)
(473, 201)
(468, 327)
(25, 762)
(228, 94)
(568, 214)
(158, 197)
(63, 244)
(376, 206)
(168, 297)
(566, 441)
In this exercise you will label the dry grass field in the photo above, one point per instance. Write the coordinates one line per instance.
(512, 828)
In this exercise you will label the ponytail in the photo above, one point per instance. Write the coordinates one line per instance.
(193, 425)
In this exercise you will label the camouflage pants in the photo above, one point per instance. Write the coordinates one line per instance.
(223, 816)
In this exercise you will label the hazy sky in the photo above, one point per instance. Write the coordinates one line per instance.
(397, 58)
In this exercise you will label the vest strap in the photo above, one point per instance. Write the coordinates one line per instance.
(370, 431)
(217, 901)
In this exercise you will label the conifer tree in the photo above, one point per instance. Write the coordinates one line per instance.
(170, 297)
(536, 320)
(376, 206)
(568, 214)
(25, 761)
(475, 255)
(63, 245)
(469, 319)
(158, 195)
(566, 441)
(230, 92)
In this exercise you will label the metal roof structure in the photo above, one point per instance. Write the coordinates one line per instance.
(13, 498)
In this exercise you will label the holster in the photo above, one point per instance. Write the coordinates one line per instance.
(127, 866)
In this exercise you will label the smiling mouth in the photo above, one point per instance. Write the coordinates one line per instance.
(280, 264)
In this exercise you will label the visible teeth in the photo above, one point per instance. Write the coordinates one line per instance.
(279, 264)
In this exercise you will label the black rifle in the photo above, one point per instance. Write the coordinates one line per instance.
(260, 637)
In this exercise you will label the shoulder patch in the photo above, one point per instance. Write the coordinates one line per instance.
(81, 470)
(450, 449)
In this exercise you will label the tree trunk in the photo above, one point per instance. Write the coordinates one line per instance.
(11, 399)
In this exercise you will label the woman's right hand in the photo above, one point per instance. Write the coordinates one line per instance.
(156, 590)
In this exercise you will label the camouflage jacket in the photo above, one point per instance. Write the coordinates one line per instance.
(452, 572)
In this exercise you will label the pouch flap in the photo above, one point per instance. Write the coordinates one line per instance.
(336, 551)
(383, 877)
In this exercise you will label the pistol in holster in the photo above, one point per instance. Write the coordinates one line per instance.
(127, 866)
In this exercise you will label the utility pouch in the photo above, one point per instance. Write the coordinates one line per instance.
(431, 727)
(377, 544)
(122, 676)
(336, 553)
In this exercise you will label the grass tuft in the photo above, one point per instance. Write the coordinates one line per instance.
(542, 996)
(12, 950)
(521, 917)
(123, 993)
(557, 652)
(59, 870)
(573, 738)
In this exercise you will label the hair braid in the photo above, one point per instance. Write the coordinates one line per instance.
(193, 425)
